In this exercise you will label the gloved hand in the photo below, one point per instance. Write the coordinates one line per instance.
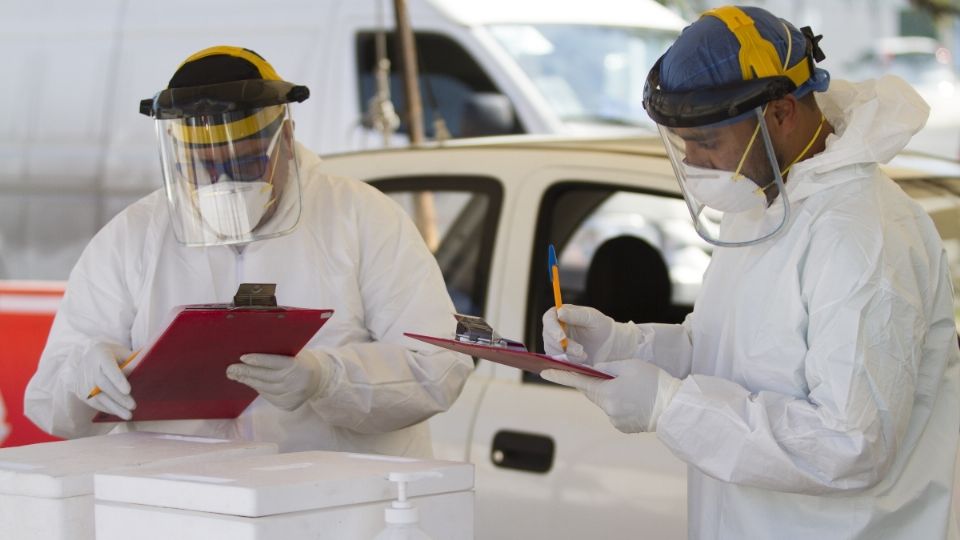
(592, 336)
(99, 368)
(285, 381)
(633, 400)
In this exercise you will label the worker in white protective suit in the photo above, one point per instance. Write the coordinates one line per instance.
(813, 390)
(243, 202)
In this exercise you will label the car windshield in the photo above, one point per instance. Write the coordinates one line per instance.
(919, 68)
(587, 73)
(920, 61)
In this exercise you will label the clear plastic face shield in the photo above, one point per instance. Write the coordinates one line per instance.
(716, 136)
(729, 170)
(232, 177)
(724, 159)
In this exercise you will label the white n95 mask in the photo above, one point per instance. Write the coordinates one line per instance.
(725, 191)
(234, 209)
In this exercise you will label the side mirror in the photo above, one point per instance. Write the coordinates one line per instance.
(487, 113)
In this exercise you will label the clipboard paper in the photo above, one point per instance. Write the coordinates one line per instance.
(181, 375)
(527, 361)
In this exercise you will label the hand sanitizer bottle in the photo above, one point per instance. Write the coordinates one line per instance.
(401, 517)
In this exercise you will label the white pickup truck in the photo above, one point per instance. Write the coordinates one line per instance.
(549, 464)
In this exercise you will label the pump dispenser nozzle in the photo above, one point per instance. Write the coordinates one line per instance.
(402, 516)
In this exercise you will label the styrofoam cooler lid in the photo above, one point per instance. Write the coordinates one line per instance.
(277, 484)
(65, 469)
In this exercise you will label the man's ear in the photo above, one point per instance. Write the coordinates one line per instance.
(784, 113)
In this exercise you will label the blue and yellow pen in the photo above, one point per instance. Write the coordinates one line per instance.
(555, 279)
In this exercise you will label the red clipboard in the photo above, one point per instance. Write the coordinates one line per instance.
(527, 361)
(182, 374)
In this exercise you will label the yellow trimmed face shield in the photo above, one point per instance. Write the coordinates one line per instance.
(232, 178)
(227, 149)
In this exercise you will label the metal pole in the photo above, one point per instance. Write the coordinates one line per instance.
(424, 213)
(410, 72)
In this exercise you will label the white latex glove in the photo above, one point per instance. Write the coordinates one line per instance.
(285, 381)
(99, 368)
(633, 400)
(592, 337)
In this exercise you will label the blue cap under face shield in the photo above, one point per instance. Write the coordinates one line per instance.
(730, 61)
(715, 79)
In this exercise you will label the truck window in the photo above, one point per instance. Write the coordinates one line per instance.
(447, 72)
(632, 255)
(464, 222)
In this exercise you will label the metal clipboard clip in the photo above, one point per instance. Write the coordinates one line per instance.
(262, 295)
(476, 330)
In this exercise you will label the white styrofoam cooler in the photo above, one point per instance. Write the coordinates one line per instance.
(297, 496)
(46, 490)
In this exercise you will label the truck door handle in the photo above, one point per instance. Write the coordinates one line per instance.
(522, 451)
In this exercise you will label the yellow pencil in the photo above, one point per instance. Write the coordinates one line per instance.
(555, 279)
(96, 389)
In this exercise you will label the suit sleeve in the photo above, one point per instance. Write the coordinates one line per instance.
(97, 307)
(873, 351)
(394, 381)
(668, 346)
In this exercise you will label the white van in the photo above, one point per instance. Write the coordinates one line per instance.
(73, 145)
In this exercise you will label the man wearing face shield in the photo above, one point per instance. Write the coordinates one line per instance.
(244, 202)
(813, 390)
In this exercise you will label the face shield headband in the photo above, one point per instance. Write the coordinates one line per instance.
(709, 105)
(221, 99)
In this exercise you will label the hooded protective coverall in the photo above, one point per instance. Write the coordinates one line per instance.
(820, 370)
(354, 251)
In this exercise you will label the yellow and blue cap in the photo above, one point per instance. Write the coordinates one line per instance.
(730, 61)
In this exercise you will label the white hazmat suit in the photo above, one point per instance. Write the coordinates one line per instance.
(820, 370)
(814, 389)
(354, 251)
